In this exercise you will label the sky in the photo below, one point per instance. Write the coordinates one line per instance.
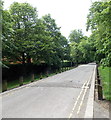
(68, 14)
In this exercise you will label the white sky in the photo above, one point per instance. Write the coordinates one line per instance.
(69, 14)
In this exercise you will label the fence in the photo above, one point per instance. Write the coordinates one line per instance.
(19, 73)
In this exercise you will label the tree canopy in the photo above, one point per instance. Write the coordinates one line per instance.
(82, 50)
(99, 21)
(28, 39)
(75, 36)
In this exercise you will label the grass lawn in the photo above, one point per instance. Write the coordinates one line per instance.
(105, 74)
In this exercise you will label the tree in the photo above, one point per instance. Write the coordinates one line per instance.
(99, 22)
(24, 20)
(75, 36)
(7, 35)
(76, 53)
(88, 52)
(56, 42)
(82, 49)
(28, 38)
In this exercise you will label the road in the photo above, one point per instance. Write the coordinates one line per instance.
(63, 95)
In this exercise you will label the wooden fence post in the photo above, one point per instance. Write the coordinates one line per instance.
(56, 71)
(4, 85)
(96, 84)
(47, 73)
(41, 76)
(32, 77)
(100, 92)
(96, 81)
(20, 80)
(99, 83)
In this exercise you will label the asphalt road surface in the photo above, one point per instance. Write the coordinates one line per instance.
(63, 95)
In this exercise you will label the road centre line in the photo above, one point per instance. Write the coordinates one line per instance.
(83, 88)
(78, 99)
(84, 95)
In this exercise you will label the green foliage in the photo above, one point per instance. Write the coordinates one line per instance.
(29, 39)
(82, 50)
(75, 36)
(99, 21)
(24, 20)
(55, 45)
(7, 34)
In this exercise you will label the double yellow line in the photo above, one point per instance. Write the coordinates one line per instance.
(82, 96)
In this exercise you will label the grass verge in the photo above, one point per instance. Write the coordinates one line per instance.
(26, 80)
(105, 75)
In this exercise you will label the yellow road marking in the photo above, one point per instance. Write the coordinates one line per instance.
(83, 96)
(77, 99)
(84, 88)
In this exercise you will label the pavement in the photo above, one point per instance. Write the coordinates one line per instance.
(64, 95)
(100, 111)
(101, 107)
